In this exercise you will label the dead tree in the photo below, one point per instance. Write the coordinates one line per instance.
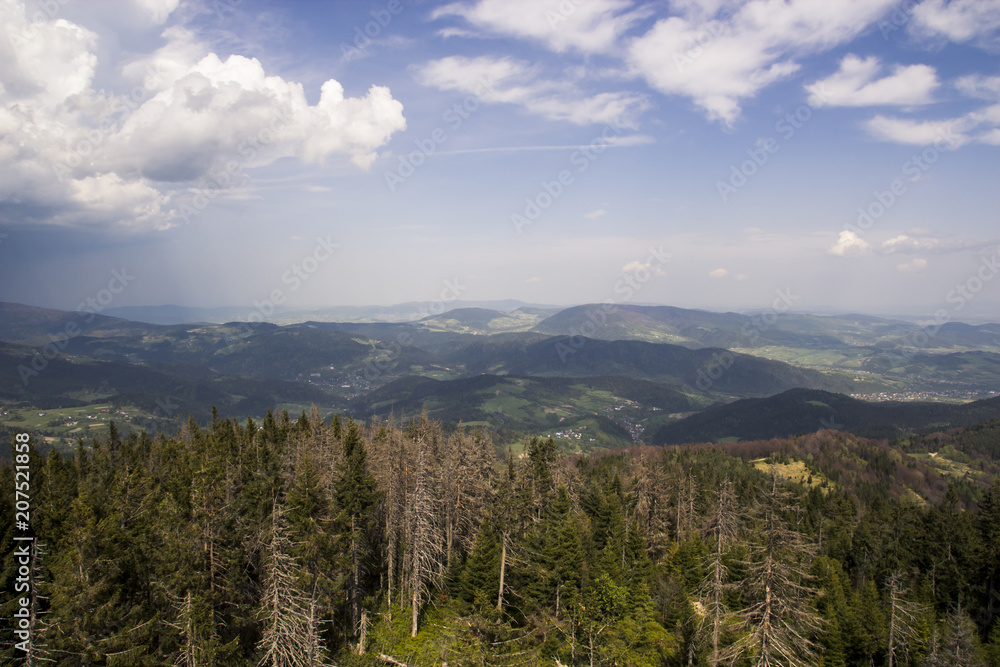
(422, 540)
(779, 621)
(903, 621)
(291, 630)
(716, 583)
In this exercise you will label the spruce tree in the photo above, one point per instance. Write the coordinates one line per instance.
(779, 622)
(355, 495)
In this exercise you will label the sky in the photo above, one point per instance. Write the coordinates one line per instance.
(843, 156)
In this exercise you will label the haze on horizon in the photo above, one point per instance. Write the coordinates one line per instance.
(696, 154)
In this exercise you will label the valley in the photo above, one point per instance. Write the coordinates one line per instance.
(643, 374)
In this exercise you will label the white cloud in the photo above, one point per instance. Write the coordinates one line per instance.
(741, 277)
(533, 279)
(979, 126)
(635, 266)
(949, 133)
(849, 243)
(958, 20)
(982, 87)
(991, 137)
(561, 25)
(718, 273)
(720, 62)
(916, 264)
(94, 157)
(158, 10)
(928, 244)
(505, 80)
(593, 215)
(855, 85)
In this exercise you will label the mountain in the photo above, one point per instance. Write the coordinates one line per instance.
(800, 411)
(483, 320)
(611, 410)
(698, 371)
(650, 323)
(975, 368)
(171, 314)
(171, 392)
(401, 312)
(31, 325)
(777, 327)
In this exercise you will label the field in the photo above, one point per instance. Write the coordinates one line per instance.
(60, 427)
(795, 471)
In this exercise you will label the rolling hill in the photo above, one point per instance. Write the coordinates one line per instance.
(801, 411)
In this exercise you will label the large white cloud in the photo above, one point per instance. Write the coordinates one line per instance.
(71, 154)
(855, 85)
(720, 60)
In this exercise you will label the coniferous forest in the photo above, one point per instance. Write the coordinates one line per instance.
(304, 542)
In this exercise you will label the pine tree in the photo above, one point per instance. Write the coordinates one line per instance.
(355, 495)
(308, 513)
(481, 575)
(989, 528)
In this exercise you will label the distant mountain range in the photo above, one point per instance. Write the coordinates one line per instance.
(403, 312)
(630, 373)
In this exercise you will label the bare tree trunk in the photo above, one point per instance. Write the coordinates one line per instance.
(416, 611)
(363, 634)
(355, 566)
(503, 570)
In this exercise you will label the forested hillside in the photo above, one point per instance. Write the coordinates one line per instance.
(300, 542)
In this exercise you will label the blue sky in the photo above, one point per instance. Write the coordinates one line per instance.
(709, 154)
